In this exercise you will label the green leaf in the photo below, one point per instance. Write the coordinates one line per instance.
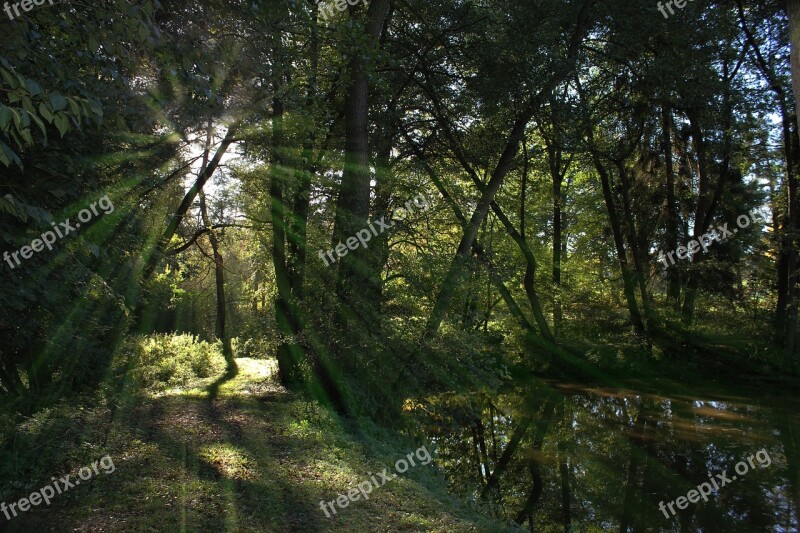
(62, 124)
(5, 117)
(96, 108)
(25, 117)
(14, 134)
(73, 106)
(17, 118)
(41, 125)
(8, 155)
(26, 134)
(57, 101)
(28, 105)
(45, 112)
(9, 79)
(33, 87)
(4, 157)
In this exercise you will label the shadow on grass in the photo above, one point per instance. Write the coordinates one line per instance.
(230, 374)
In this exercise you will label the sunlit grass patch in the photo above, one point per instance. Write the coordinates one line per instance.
(228, 460)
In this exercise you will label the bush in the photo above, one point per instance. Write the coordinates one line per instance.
(161, 361)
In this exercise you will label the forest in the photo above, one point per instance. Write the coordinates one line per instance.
(399, 265)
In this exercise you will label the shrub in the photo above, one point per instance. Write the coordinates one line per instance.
(161, 361)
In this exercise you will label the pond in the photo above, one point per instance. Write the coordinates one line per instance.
(565, 457)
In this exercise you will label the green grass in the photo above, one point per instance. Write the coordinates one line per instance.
(256, 459)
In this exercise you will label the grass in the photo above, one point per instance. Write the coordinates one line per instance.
(257, 458)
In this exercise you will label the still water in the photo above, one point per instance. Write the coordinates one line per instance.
(565, 457)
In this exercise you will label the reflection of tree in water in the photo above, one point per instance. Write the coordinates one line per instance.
(589, 458)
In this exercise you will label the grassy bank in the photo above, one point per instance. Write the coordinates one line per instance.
(255, 459)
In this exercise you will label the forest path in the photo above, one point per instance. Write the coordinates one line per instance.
(256, 459)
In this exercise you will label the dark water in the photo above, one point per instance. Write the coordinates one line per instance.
(601, 459)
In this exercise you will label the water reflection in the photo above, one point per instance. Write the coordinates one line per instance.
(569, 458)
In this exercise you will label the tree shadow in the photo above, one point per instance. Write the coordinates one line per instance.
(230, 373)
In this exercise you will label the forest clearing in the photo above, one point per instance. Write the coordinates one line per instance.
(400, 265)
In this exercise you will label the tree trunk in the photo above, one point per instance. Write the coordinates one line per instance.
(673, 275)
(458, 264)
(219, 276)
(786, 265)
(635, 245)
(175, 221)
(504, 164)
(557, 176)
(353, 203)
(219, 270)
(289, 359)
(708, 196)
(793, 9)
(477, 249)
(619, 243)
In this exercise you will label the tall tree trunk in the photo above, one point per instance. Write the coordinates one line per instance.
(709, 194)
(786, 265)
(673, 275)
(619, 244)
(219, 277)
(628, 280)
(188, 199)
(477, 249)
(634, 243)
(558, 170)
(529, 281)
(793, 9)
(353, 203)
(219, 268)
(557, 176)
(289, 359)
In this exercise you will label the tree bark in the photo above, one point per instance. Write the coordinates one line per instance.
(477, 249)
(635, 245)
(673, 275)
(353, 203)
(793, 10)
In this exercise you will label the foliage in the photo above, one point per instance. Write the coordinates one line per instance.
(161, 361)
